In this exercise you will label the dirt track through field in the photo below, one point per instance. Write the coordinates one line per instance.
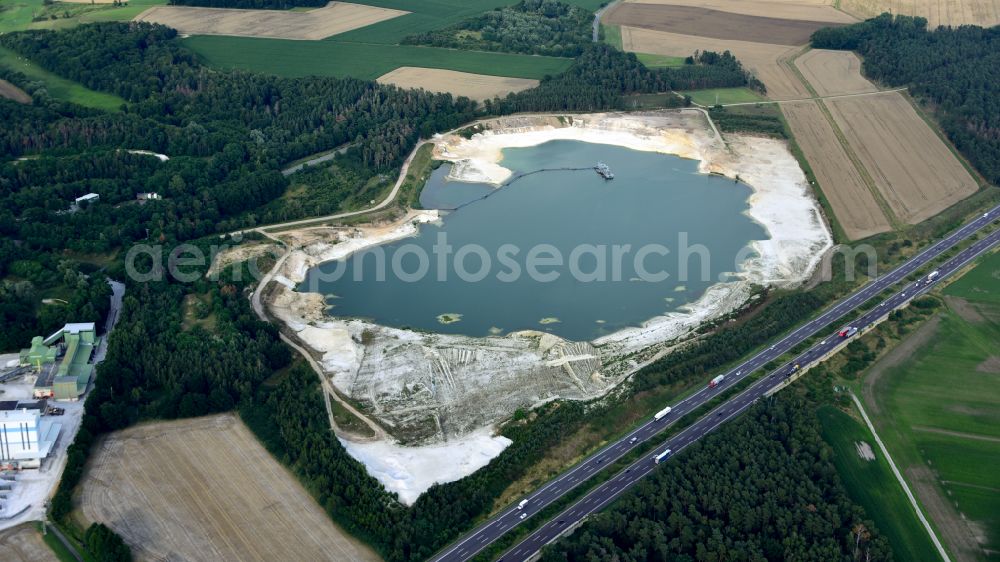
(984, 13)
(843, 185)
(205, 489)
(833, 73)
(912, 168)
(12, 92)
(761, 59)
(701, 22)
(788, 9)
(334, 18)
(473, 86)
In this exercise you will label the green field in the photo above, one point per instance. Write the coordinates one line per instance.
(940, 408)
(18, 14)
(712, 96)
(982, 283)
(330, 58)
(872, 484)
(612, 35)
(60, 88)
(659, 61)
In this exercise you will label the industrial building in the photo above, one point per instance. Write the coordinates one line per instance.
(61, 362)
(26, 436)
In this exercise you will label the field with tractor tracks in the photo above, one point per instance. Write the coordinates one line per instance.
(206, 489)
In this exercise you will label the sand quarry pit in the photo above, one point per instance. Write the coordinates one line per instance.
(953, 13)
(850, 197)
(473, 86)
(429, 389)
(334, 18)
(703, 22)
(912, 167)
(764, 60)
(206, 489)
(834, 73)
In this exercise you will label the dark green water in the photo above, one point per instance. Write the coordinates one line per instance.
(655, 199)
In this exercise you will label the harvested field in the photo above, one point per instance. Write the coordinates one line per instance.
(473, 86)
(702, 22)
(834, 73)
(12, 92)
(852, 202)
(811, 10)
(938, 12)
(912, 168)
(24, 544)
(334, 18)
(762, 59)
(206, 489)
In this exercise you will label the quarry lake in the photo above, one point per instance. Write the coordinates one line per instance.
(498, 272)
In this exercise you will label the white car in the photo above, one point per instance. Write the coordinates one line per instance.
(523, 515)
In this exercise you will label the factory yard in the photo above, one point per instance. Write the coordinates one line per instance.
(938, 12)
(853, 203)
(911, 167)
(473, 86)
(334, 18)
(206, 489)
(833, 73)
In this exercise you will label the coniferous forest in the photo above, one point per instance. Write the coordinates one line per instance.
(955, 72)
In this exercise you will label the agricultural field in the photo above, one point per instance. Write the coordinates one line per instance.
(425, 15)
(833, 73)
(24, 543)
(809, 10)
(762, 59)
(712, 96)
(206, 489)
(852, 202)
(473, 86)
(658, 61)
(16, 15)
(291, 58)
(937, 408)
(12, 92)
(953, 13)
(912, 167)
(58, 87)
(334, 18)
(981, 284)
(701, 22)
(870, 482)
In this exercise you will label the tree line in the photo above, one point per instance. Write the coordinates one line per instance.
(533, 27)
(954, 71)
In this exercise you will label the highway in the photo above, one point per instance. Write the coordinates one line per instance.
(491, 530)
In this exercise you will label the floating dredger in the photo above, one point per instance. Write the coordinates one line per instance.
(604, 171)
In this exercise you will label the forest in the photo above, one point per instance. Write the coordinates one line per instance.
(533, 27)
(954, 72)
(761, 488)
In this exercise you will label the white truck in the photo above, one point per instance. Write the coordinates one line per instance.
(659, 415)
(716, 381)
(932, 276)
(659, 458)
(522, 504)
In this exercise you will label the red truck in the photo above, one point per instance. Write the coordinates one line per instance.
(847, 332)
(716, 381)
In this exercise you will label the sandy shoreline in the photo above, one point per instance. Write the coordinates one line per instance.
(427, 389)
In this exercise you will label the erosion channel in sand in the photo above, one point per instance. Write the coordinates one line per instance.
(429, 389)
